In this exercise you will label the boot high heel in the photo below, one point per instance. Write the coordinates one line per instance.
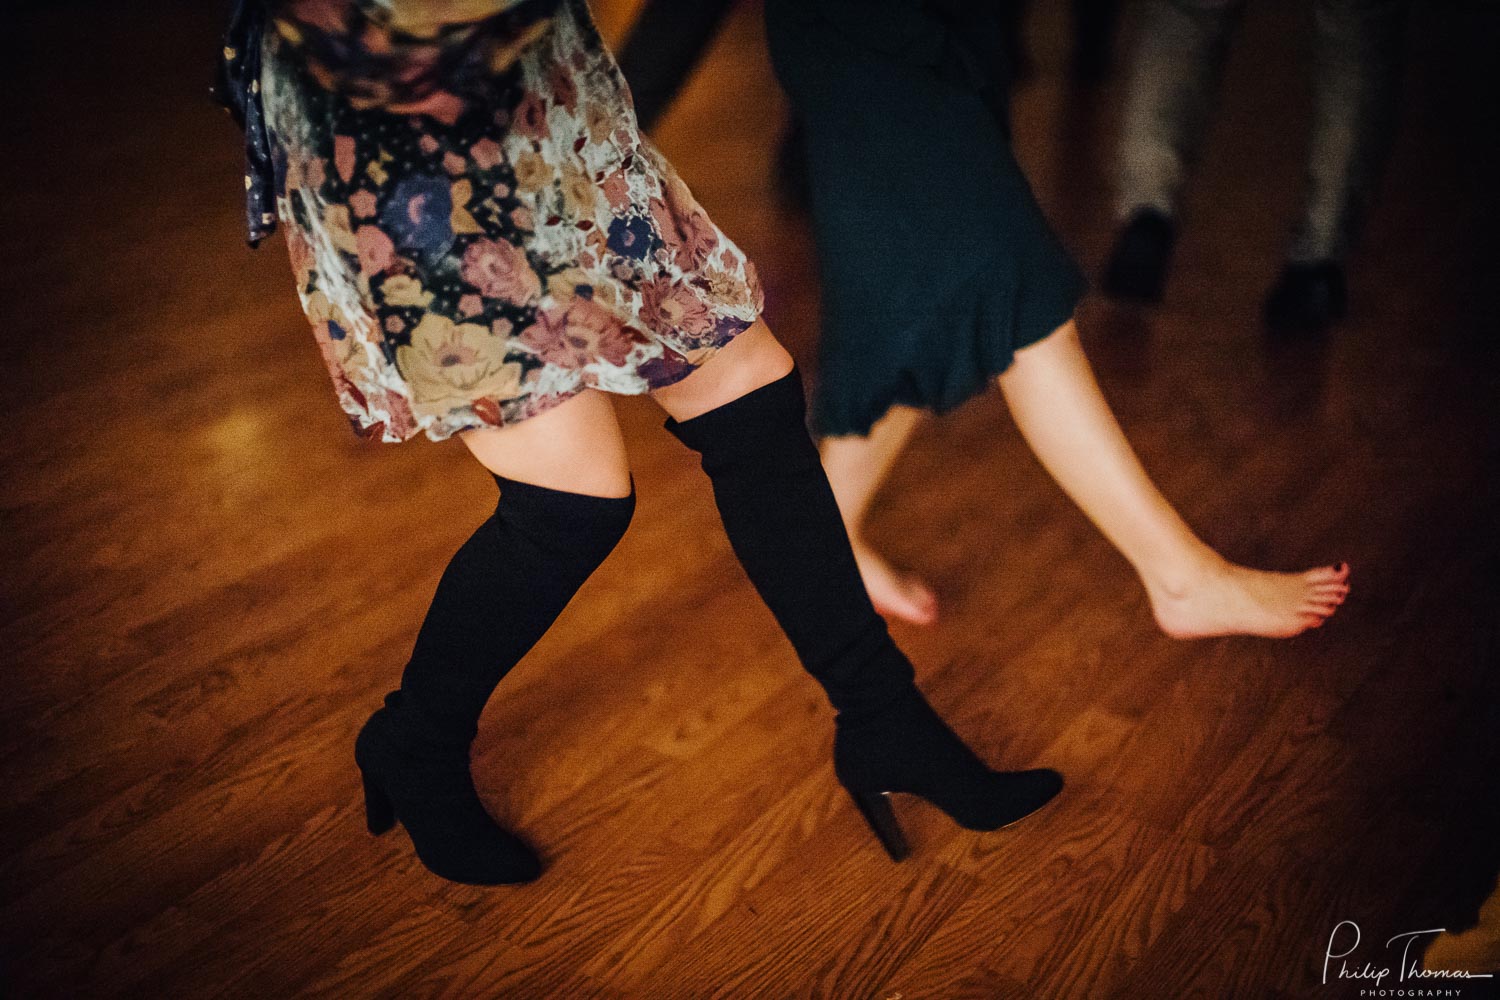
(908, 748)
(380, 812)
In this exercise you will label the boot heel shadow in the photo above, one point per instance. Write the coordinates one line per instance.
(875, 807)
(380, 812)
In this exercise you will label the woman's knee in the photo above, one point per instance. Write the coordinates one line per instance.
(749, 361)
(1062, 336)
(575, 447)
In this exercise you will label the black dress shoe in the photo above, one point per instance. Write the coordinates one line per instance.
(1307, 297)
(1137, 268)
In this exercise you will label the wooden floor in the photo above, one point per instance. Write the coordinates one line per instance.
(209, 582)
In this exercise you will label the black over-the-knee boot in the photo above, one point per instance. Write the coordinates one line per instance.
(784, 525)
(501, 591)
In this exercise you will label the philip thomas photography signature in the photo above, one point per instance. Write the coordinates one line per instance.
(1408, 969)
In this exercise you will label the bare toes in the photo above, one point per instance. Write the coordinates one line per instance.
(923, 612)
(907, 612)
(907, 599)
(1328, 574)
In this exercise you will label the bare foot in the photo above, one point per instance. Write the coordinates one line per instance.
(895, 594)
(1225, 599)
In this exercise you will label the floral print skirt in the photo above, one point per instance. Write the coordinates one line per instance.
(477, 228)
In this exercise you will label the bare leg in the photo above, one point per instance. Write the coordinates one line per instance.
(856, 467)
(749, 361)
(1194, 592)
(575, 447)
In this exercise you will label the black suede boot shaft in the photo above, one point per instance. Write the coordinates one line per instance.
(500, 593)
(784, 526)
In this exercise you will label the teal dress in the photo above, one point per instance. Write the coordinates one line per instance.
(936, 262)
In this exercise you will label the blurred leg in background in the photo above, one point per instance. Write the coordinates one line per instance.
(664, 46)
(1094, 23)
(1175, 73)
(1176, 66)
(1356, 80)
(1013, 37)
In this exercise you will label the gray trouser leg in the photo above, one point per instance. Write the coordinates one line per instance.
(1356, 79)
(1173, 77)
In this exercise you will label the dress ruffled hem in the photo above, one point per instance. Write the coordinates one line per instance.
(952, 354)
